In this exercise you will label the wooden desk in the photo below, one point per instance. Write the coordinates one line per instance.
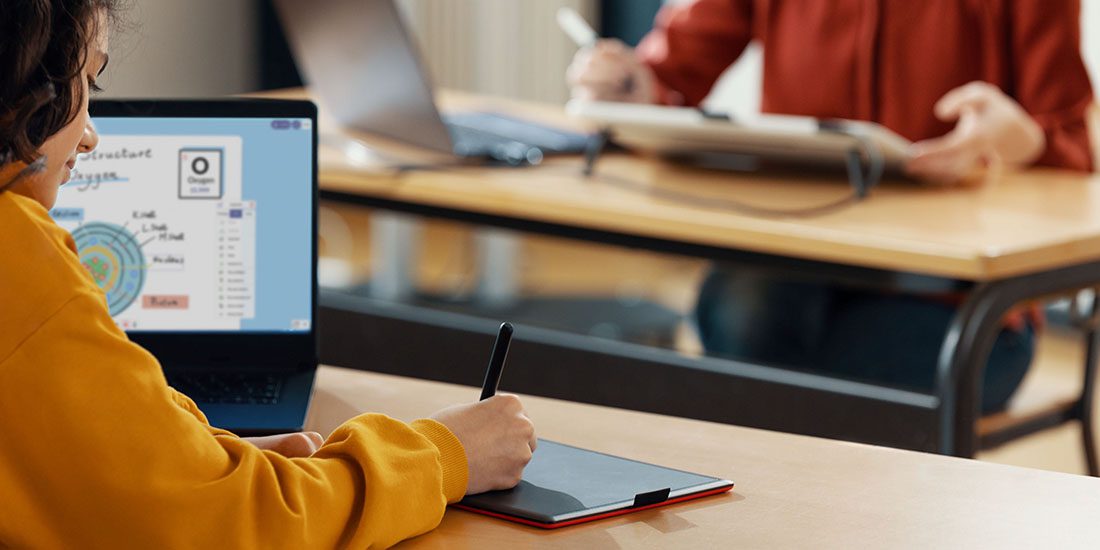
(1011, 224)
(1014, 237)
(792, 491)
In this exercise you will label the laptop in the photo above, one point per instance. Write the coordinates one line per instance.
(358, 56)
(198, 219)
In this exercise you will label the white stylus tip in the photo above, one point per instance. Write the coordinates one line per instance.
(576, 27)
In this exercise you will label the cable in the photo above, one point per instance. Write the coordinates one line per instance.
(715, 203)
(876, 165)
(861, 180)
(865, 166)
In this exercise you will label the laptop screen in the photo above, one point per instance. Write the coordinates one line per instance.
(197, 224)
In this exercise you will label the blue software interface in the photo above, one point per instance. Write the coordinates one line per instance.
(197, 224)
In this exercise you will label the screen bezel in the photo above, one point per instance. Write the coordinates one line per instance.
(206, 349)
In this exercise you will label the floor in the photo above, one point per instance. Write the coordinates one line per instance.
(447, 265)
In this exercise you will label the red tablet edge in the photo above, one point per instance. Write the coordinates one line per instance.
(595, 517)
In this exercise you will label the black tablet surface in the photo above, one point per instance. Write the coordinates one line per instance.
(565, 485)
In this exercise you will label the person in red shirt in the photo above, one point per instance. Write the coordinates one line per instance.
(971, 82)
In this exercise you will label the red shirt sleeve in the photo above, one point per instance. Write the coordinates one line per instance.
(692, 44)
(1051, 82)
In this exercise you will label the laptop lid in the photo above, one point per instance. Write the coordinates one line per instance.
(358, 57)
(198, 219)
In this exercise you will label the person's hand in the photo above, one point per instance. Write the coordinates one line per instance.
(292, 445)
(498, 439)
(991, 128)
(610, 71)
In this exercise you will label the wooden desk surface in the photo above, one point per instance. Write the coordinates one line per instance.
(792, 491)
(1012, 224)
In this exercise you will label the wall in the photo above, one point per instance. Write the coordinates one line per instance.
(500, 47)
(207, 47)
(1090, 39)
(183, 48)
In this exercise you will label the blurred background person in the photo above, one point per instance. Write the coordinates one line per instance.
(971, 83)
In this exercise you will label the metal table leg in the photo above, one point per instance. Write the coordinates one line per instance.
(498, 253)
(1086, 405)
(971, 337)
(394, 239)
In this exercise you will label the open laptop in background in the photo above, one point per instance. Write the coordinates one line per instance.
(198, 221)
(358, 57)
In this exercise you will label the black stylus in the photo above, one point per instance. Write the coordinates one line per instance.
(496, 361)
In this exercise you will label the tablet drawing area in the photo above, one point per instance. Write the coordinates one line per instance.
(564, 485)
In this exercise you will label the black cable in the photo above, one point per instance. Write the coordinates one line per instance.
(714, 203)
(865, 164)
(862, 181)
(595, 148)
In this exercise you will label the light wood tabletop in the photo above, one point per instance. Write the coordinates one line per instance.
(792, 491)
(1006, 224)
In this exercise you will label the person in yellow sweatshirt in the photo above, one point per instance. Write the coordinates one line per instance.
(97, 451)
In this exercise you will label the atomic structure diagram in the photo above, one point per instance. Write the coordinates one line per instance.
(113, 257)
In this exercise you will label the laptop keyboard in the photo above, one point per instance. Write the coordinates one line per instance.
(474, 143)
(508, 139)
(222, 387)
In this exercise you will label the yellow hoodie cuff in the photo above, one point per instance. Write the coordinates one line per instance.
(452, 457)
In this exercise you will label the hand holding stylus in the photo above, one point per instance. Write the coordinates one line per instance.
(604, 70)
(498, 437)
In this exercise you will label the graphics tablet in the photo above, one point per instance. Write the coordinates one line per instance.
(565, 485)
(677, 131)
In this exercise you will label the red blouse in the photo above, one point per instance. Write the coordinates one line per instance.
(888, 61)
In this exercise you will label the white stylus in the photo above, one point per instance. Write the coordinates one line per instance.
(573, 25)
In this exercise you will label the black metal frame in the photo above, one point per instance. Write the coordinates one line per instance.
(408, 340)
(970, 340)
(963, 356)
(1084, 407)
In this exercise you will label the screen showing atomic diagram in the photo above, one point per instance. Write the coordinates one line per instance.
(169, 229)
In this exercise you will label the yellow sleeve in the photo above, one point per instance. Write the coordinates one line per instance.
(100, 452)
(187, 404)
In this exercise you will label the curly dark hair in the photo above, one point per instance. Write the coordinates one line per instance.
(42, 54)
